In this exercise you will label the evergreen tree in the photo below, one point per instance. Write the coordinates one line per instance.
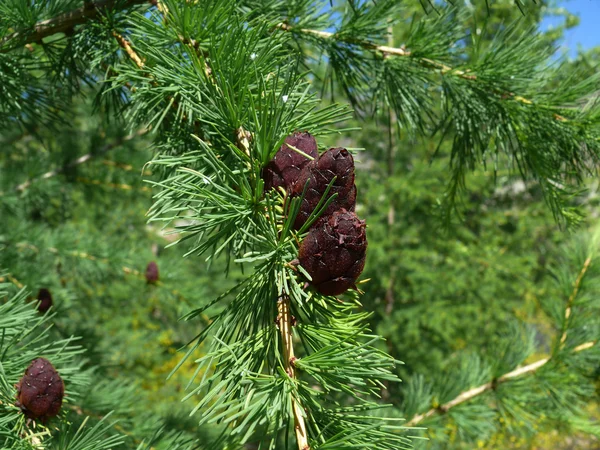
(207, 93)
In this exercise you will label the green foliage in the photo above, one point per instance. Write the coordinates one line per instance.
(471, 96)
(24, 338)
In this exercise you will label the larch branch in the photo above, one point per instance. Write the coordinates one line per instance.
(285, 328)
(62, 23)
(476, 391)
(131, 53)
(13, 280)
(82, 159)
(387, 50)
(572, 297)
(84, 255)
(519, 371)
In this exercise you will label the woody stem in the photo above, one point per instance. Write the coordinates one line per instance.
(285, 328)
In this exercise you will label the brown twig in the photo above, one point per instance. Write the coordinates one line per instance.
(243, 138)
(285, 328)
(125, 45)
(530, 368)
(61, 23)
(568, 309)
(13, 280)
(387, 50)
(474, 392)
(327, 35)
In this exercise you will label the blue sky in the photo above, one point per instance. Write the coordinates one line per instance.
(587, 34)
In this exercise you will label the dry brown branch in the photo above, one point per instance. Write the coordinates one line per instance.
(285, 328)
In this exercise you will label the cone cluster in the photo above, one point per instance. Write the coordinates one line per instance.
(41, 390)
(334, 251)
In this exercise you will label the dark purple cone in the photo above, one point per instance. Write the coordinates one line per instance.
(284, 168)
(335, 162)
(41, 390)
(333, 253)
(45, 299)
(152, 272)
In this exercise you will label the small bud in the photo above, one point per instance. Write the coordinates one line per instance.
(152, 273)
(335, 162)
(334, 252)
(45, 300)
(284, 168)
(41, 390)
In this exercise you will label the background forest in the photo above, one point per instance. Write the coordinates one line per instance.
(478, 263)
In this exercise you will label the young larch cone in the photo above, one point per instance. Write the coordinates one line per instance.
(41, 390)
(284, 168)
(151, 272)
(45, 300)
(316, 176)
(334, 252)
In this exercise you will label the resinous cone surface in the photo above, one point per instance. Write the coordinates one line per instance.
(334, 252)
(315, 177)
(285, 167)
(41, 390)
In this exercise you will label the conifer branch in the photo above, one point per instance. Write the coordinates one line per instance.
(530, 368)
(365, 44)
(568, 309)
(285, 328)
(63, 22)
(139, 62)
(125, 45)
(384, 49)
(84, 255)
(476, 391)
(82, 159)
(402, 52)
(122, 186)
(13, 280)
(81, 412)
(243, 138)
